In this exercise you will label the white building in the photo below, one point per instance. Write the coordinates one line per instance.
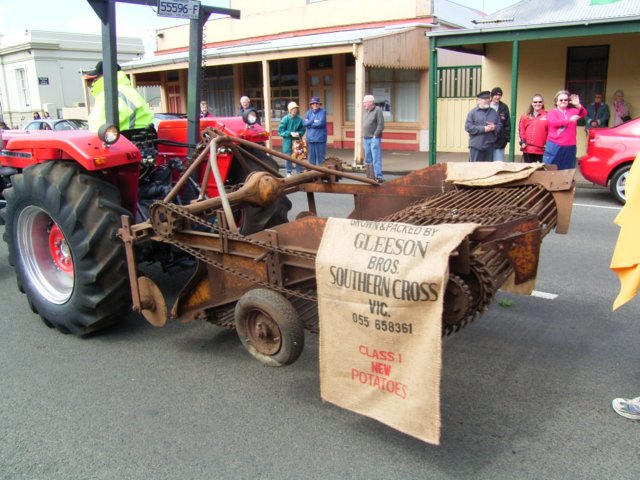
(41, 71)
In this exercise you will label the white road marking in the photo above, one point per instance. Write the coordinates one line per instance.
(548, 296)
(596, 206)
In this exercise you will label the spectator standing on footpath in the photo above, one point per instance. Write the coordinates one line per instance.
(620, 109)
(597, 113)
(36, 116)
(482, 125)
(533, 130)
(372, 128)
(315, 121)
(504, 134)
(560, 148)
(291, 129)
(204, 110)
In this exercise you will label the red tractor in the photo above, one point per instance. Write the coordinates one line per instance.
(65, 193)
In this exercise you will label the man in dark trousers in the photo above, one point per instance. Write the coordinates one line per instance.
(372, 128)
(503, 136)
(483, 126)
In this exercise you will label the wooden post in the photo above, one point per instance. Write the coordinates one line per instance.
(266, 92)
(358, 52)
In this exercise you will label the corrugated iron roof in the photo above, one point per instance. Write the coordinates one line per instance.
(455, 14)
(539, 12)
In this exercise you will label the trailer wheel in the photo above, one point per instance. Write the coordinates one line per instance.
(60, 230)
(269, 328)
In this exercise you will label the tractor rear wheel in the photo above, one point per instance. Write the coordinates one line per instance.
(269, 327)
(61, 227)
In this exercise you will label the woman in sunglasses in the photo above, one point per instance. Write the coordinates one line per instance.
(533, 129)
(560, 148)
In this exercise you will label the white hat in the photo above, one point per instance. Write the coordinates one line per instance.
(292, 105)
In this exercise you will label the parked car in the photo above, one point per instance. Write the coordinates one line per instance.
(610, 153)
(56, 124)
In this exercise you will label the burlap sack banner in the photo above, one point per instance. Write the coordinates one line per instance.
(483, 174)
(380, 296)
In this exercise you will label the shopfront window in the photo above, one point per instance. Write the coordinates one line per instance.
(218, 91)
(252, 78)
(284, 86)
(396, 93)
(587, 71)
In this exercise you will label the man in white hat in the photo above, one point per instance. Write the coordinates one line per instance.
(291, 129)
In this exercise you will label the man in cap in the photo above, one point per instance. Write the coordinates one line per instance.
(133, 110)
(503, 136)
(291, 129)
(315, 121)
(482, 125)
(372, 127)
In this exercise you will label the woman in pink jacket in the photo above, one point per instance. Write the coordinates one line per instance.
(560, 149)
(533, 129)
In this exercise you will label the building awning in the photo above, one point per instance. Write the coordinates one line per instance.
(400, 46)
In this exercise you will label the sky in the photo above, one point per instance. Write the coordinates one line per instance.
(77, 16)
(487, 6)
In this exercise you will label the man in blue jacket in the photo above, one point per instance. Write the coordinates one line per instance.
(315, 121)
(483, 126)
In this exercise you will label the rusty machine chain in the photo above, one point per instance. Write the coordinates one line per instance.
(176, 209)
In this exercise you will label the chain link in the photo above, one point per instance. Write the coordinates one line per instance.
(231, 234)
(234, 236)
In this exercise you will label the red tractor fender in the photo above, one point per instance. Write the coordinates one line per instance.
(22, 149)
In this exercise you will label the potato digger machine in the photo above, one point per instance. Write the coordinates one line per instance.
(83, 211)
(82, 214)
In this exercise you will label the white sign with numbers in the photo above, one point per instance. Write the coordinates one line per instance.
(179, 8)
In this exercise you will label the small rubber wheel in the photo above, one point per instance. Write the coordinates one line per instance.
(617, 185)
(269, 327)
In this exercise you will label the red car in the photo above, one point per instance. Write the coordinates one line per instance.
(610, 153)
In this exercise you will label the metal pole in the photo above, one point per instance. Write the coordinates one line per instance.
(213, 161)
(514, 96)
(106, 11)
(194, 83)
(433, 100)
